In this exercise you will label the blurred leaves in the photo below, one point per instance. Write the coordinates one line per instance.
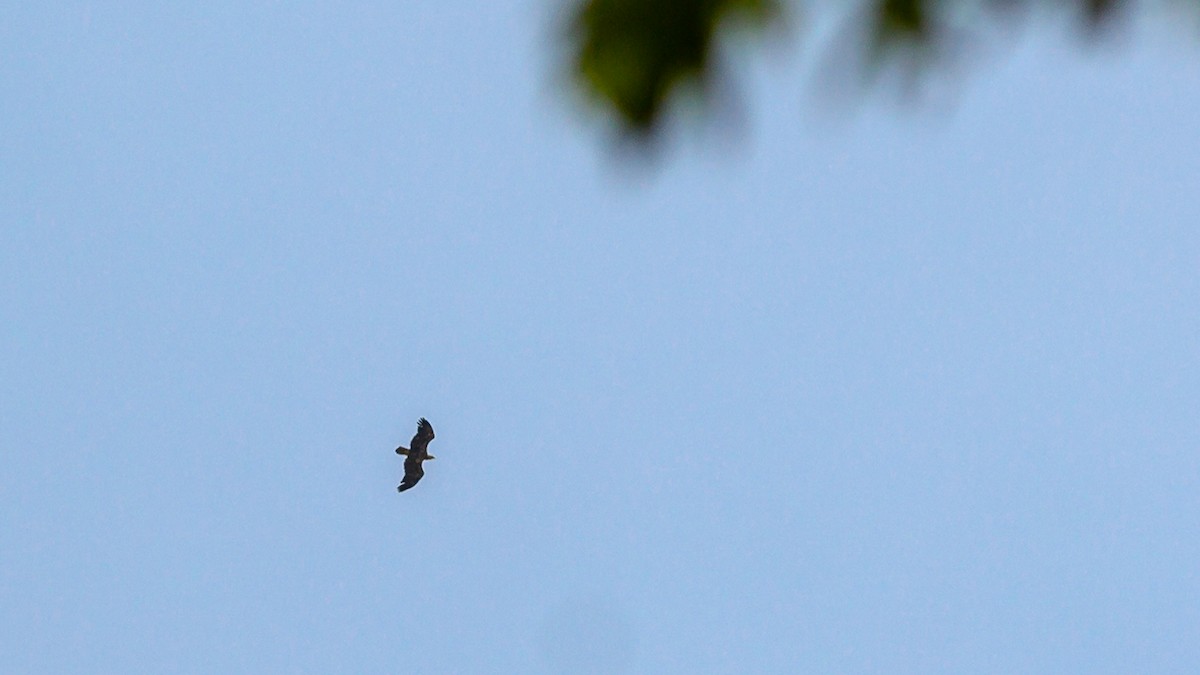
(634, 56)
(902, 19)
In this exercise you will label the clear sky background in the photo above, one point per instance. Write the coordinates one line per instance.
(914, 392)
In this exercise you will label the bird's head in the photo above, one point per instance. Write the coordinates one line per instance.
(430, 457)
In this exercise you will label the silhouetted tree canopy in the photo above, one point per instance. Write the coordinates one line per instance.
(634, 56)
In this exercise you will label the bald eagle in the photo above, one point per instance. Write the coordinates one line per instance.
(416, 453)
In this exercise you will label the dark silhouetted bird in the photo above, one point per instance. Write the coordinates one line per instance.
(417, 452)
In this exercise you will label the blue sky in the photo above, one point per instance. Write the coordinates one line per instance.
(915, 391)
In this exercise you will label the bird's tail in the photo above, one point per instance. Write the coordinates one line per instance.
(402, 450)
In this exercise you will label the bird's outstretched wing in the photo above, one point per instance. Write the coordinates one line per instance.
(412, 473)
(424, 434)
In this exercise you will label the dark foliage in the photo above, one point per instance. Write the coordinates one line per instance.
(634, 56)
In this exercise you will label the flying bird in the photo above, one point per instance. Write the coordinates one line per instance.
(417, 452)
